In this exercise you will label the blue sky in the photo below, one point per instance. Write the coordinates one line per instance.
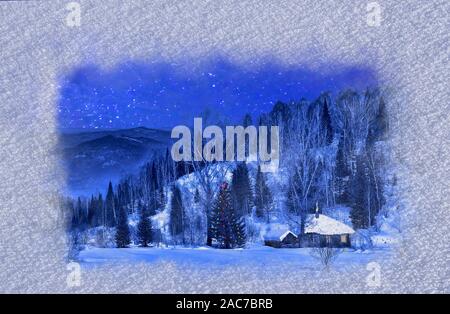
(162, 95)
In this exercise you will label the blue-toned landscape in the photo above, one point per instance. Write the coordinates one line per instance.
(331, 198)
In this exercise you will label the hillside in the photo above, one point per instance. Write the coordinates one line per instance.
(94, 158)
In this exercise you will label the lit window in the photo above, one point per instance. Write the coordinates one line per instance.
(343, 238)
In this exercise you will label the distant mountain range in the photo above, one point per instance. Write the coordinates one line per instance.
(94, 158)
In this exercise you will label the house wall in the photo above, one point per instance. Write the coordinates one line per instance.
(272, 243)
(311, 240)
(319, 240)
(289, 239)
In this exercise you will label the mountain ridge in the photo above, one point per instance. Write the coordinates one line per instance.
(92, 159)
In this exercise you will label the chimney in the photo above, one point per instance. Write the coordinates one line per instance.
(317, 209)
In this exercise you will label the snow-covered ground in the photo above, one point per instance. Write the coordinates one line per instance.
(210, 257)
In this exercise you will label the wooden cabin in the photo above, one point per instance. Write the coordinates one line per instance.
(320, 231)
(324, 231)
(281, 239)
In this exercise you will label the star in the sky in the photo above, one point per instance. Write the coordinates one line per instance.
(159, 95)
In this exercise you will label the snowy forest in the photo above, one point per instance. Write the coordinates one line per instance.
(333, 159)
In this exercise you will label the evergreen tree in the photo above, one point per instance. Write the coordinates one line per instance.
(144, 228)
(197, 197)
(241, 190)
(239, 235)
(161, 199)
(126, 193)
(76, 218)
(122, 231)
(119, 199)
(176, 214)
(92, 212)
(247, 120)
(72, 222)
(110, 207)
(245, 123)
(342, 173)
(280, 113)
(198, 220)
(81, 217)
(326, 121)
(101, 210)
(293, 195)
(263, 196)
(380, 125)
(226, 229)
(154, 205)
(358, 196)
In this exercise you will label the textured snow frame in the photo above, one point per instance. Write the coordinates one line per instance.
(409, 51)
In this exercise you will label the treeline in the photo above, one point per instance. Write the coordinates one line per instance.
(145, 191)
(188, 223)
(329, 151)
(330, 147)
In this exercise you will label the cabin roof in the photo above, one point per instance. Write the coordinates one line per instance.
(326, 225)
(277, 235)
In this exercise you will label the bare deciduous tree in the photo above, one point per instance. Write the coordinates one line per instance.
(326, 255)
(306, 159)
(209, 175)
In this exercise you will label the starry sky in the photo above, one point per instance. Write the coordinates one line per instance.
(162, 95)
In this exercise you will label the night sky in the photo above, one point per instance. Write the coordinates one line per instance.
(162, 95)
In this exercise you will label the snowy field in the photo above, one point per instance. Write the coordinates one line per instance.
(209, 257)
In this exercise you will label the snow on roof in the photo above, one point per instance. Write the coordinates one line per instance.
(326, 225)
(277, 235)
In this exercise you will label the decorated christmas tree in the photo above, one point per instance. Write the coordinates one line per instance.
(227, 230)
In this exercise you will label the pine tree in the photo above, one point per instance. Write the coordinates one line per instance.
(358, 196)
(226, 229)
(326, 121)
(119, 199)
(247, 120)
(280, 112)
(76, 218)
(161, 199)
(239, 234)
(342, 173)
(245, 123)
(144, 228)
(198, 223)
(176, 214)
(92, 212)
(154, 188)
(293, 195)
(380, 125)
(197, 196)
(110, 207)
(126, 193)
(263, 196)
(122, 232)
(72, 223)
(241, 190)
(101, 210)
